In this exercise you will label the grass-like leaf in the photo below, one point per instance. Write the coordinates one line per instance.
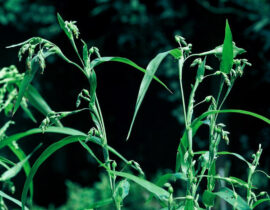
(100, 204)
(148, 76)
(240, 157)
(13, 200)
(44, 156)
(101, 60)
(18, 136)
(227, 51)
(238, 111)
(258, 202)
(27, 79)
(228, 195)
(159, 192)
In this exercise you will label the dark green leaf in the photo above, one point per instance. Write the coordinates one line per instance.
(28, 112)
(227, 52)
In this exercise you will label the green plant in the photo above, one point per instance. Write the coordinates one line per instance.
(192, 167)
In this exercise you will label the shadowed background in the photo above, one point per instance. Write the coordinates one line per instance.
(138, 30)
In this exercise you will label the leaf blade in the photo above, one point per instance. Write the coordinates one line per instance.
(227, 51)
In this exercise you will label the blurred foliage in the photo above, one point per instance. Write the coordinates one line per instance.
(27, 15)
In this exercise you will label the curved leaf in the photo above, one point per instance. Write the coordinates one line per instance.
(44, 156)
(148, 76)
(238, 111)
(101, 60)
(13, 200)
(229, 196)
(60, 130)
(236, 155)
(261, 201)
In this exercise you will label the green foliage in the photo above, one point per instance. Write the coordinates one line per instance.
(191, 166)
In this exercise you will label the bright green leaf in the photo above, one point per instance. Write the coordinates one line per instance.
(227, 52)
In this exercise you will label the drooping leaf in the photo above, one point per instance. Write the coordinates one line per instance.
(13, 200)
(148, 76)
(258, 202)
(44, 156)
(236, 155)
(227, 51)
(159, 192)
(176, 53)
(238, 111)
(229, 196)
(18, 136)
(101, 60)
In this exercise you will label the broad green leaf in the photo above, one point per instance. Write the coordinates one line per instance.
(208, 198)
(18, 136)
(229, 196)
(159, 192)
(101, 60)
(148, 76)
(227, 52)
(44, 156)
(13, 200)
(236, 155)
(100, 204)
(183, 147)
(258, 202)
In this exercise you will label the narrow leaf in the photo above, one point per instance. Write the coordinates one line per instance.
(100, 204)
(156, 190)
(63, 26)
(227, 51)
(258, 202)
(27, 79)
(101, 60)
(13, 200)
(18, 136)
(236, 155)
(148, 76)
(229, 196)
(44, 156)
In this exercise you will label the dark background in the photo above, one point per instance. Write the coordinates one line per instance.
(138, 30)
